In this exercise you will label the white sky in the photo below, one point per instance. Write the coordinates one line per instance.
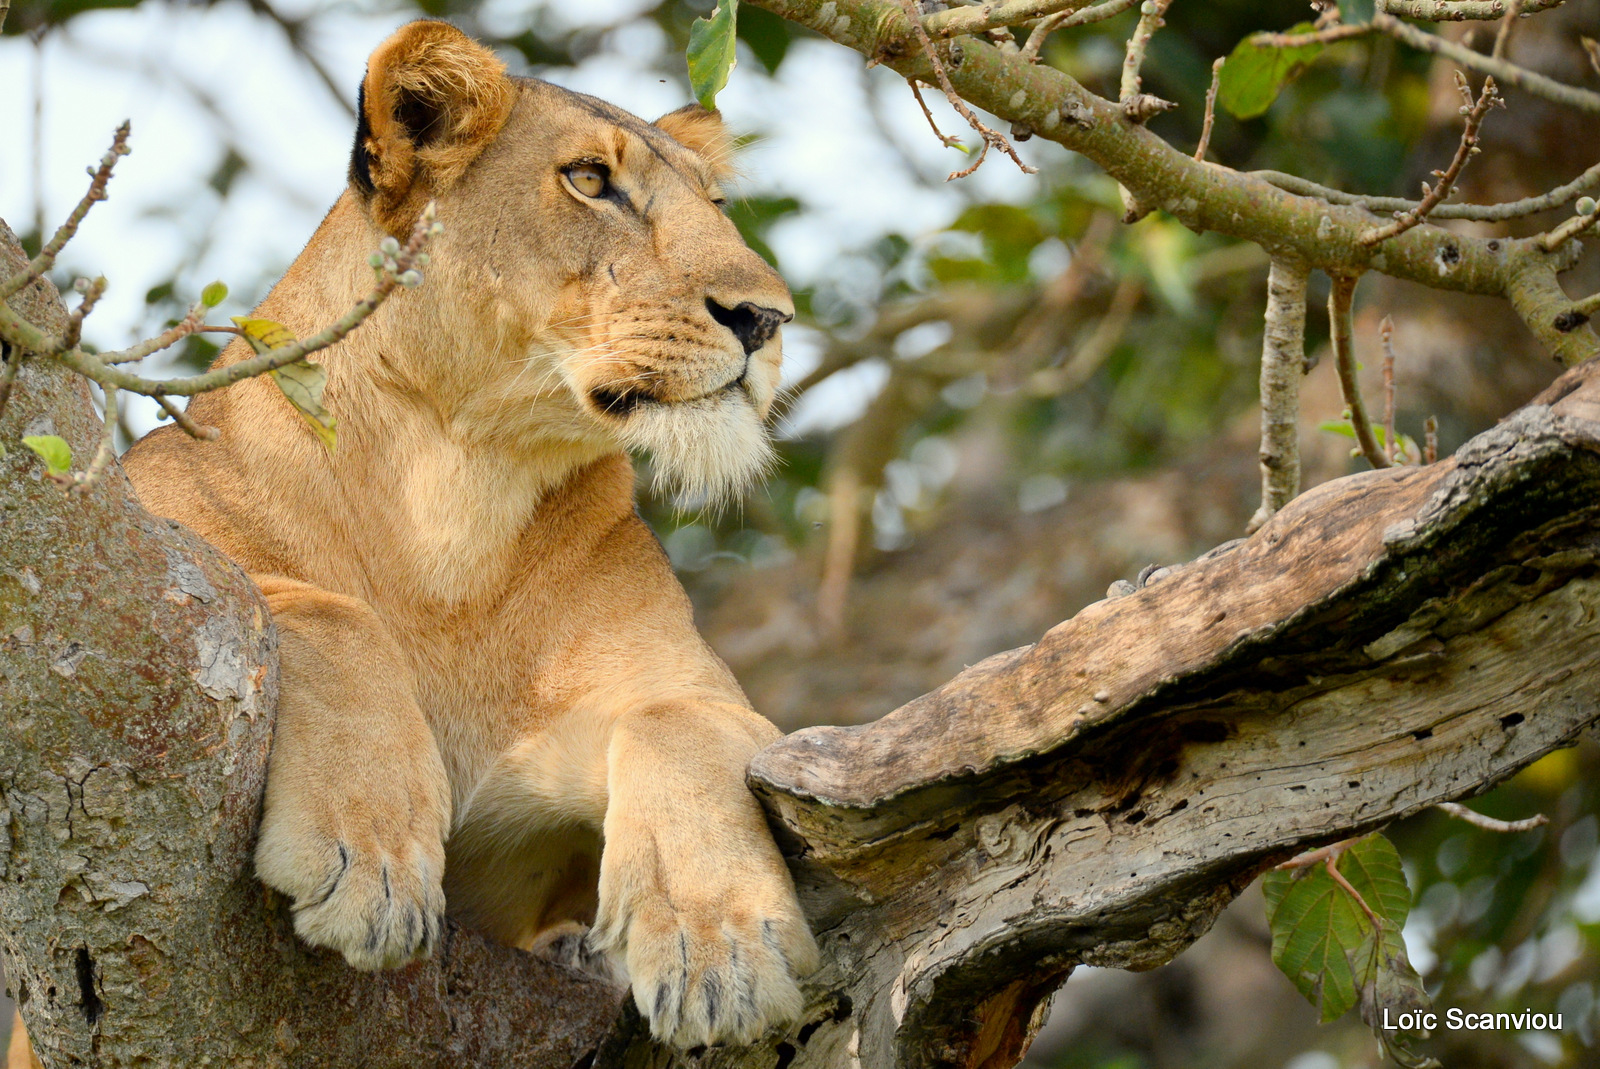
(818, 143)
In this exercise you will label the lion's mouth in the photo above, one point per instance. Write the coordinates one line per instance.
(622, 402)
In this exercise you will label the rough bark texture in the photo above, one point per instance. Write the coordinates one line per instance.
(1385, 642)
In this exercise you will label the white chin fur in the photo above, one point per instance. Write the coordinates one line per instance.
(705, 452)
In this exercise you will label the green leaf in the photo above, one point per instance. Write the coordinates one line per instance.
(1338, 426)
(53, 450)
(302, 382)
(711, 52)
(213, 294)
(1254, 73)
(264, 335)
(1318, 928)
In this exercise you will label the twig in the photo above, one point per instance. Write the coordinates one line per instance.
(1069, 19)
(1591, 47)
(1340, 297)
(1338, 877)
(190, 324)
(944, 139)
(1478, 820)
(97, 192)
(1150, 20)
(1504, 72)
(5, 9)
(84, 481)
(394, 272)
(1433, 197)
(1460, 10)
(1328, 857)
(1430, 437)
(1568, 230)
(1283, 358)
(1586, 182)
(962, 20)
(1327, 36)
(1211, 108)
(1579, 314)
(991, 138)
(1502, 36)
(92, 292)
(1386, 332)
(187, 425)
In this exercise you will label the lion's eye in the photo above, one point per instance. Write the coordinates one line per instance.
(590, 179)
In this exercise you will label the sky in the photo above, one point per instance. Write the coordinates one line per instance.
(850, 144)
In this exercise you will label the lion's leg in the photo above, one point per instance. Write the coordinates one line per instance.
(695, 899)
(357, 803)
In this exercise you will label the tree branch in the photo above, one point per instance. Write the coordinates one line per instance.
(1201, 195)
(1503, 71)
(1461, 10)
(1283, 364)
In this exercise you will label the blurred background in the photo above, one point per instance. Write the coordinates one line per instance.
(1002, 398)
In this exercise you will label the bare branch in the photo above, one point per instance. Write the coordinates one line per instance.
(991, 138)
(1340, 298)
(84, 481)
(1430, 432)
(1502, 36)
(1432, 198)
(191, 323)
(977, 19)
(1570, 229)
(1478, 820)
(187, 425)
(944, 139)
(1211, 108)
(395, 271)
(1150, 20)
(1326, 36)
(1586, 182)
(1067, 20)
(46, 259)
(1386, 333)
(92, 292)
(1503, 71)
(1460, 10)
(1283, 364)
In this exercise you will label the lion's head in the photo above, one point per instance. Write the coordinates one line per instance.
(588, 286)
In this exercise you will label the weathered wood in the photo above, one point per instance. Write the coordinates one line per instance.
(1388, 641)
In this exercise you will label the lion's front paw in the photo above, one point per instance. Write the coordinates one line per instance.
(369, 892)
(710, 965)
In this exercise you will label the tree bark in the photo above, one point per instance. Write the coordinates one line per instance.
(1385, 642)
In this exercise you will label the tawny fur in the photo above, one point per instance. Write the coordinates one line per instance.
(481, 641)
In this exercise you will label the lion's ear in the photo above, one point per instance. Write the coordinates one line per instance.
(432, 99)
(702, 131)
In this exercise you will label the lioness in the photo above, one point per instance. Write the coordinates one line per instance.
(481, 641)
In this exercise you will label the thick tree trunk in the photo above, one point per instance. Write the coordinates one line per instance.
(1387, 641)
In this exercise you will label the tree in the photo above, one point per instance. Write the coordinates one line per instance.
(943, 849)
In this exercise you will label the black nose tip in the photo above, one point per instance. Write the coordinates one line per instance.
(753, 325)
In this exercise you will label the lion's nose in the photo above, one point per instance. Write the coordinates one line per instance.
(752, 324)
